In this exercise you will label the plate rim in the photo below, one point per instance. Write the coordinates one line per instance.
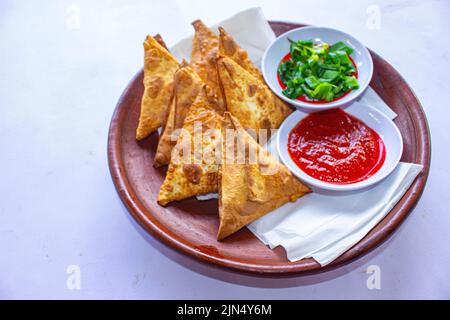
(302, 267)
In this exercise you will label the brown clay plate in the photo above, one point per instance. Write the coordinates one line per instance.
(190, 226)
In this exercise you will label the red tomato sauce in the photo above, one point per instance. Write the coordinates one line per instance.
(303, 97)
(335, 147)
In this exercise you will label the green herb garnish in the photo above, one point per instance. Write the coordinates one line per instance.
(318, 71)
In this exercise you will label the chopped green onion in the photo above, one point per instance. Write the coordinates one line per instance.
(318, 71)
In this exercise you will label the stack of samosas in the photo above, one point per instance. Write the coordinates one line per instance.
(213, 111)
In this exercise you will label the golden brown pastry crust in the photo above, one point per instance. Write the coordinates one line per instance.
(229, 48)
(189, 175)
(205, 48)
(160, 40)
(251, 189)
(187, 84)
(249, 99)
(159, 68)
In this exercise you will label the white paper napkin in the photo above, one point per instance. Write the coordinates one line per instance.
(325, 226)
(317, 225)
(249, 28)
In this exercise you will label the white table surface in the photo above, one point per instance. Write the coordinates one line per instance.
(61, 75)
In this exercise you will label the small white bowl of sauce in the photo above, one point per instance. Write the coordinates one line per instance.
(279, 51)
(340, 150)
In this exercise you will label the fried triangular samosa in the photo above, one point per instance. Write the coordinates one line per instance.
(229, 48)
(249, 99)
(194, 159)
(205, 49)
(159, 68)
(251, 186)
(186, 86)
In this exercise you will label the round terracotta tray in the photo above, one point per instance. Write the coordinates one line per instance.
(190, 226)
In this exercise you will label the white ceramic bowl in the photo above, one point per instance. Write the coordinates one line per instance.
(280, 47)
(373, 118)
